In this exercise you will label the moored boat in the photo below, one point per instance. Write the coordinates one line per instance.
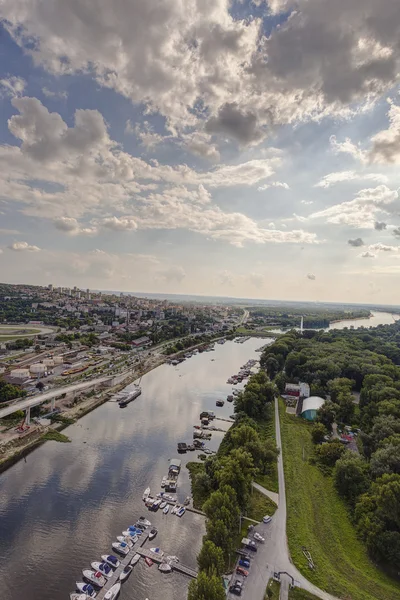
(157, 551)
(127, 540)
(131, 535)
(121, 547)
(94, 577)
(166, 509)
(144, 521)
(181, 511)
(163, 505)
(75, 596)
(113, 592)
(110, 560)
(135, 559)
(86, 588)
(148, 561)
(165, 568)
(125, 573)
(153, 533)
(103, 568)
(146, 493)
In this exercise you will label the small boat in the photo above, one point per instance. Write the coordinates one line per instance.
(135, 560)
(172, 559)
(153, 533)
(146, 493)
(121, 547)
(166, 509)
(86, 588)
(131, 534)
(94, 577)
(187, 500)
(175, 509)
(156, 505)
(148, 561)
(103, 568)
(127, 540)
(75, 596)
(113, 592)
(181, 511)
(110, 560)
(163, 505)
(135, 530)
(165, 568)
(125, 573)
(164, 481)
(157, 551)
(220, 403)
(144, 521)
(149, 502)
(139, 526)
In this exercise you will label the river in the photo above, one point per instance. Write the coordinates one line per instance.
(377, 318)
(61, 509)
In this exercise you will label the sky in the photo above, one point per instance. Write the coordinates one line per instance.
(244, 148)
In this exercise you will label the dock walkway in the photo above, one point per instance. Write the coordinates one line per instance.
(145, 553)
(221, 419)
(124, 561)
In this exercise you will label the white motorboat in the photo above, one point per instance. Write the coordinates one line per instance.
(157, 551)
(175, 509)
(153, 533)
(181, 511)
(121, 547)
(165, 568)
(166, 509)
(113, 592)
(75, 596)
(163, 505)
(135, 560)
(131, 535)
(103, 568)
(144, 521)
(125, 573)
(127, 539)
(94, 577)
(172, 559)
(110, 560)
(86, 588)
(146, 493)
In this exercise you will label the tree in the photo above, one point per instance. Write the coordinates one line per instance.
(318, 433)
(221, 535)
(206, 587)
(345, 410)
(329, 453)
(211, 559)
(37, 348)
(272, 366)
(351, 476)
(327, 414)
(386, 460)
(339, 386)
(40, 386)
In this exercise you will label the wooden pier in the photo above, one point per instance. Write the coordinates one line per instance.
(221, 419)
(124, 561)
(156, 558)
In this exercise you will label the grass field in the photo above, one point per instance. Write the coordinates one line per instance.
(270, 481)
(319, 520)
(10, 332)
(275, 588)
(298, 594)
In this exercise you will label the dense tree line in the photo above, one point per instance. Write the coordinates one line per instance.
(226, 483)
(336, 364)
(316, 318)
(9, 391)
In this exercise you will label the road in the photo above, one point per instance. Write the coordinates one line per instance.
(57, 391)
(273, 556)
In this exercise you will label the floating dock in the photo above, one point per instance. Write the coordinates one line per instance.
(124, 561)
(145, 553)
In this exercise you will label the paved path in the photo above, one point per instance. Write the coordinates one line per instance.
(272, 495)
(273, 556)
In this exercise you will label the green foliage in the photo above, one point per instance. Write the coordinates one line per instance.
(211, 559)
(9, 391)
(55, 436)
(318, 433)
(351, 476)
(255, 401)
(330, 452)
(327, 414)
(201, 483)
(206, 587)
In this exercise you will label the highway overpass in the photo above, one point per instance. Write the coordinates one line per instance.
(27, 403)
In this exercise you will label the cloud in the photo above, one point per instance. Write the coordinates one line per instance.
(12, 86)
(236, 123)
(379, 247)
(54, 94)
(380, 225)
(360, 212)
(119, 223)
(307, 202)
(200, 144)
(368, 255)
(341, 176)
(396, 232)
(356, 242)
(23, 247)
(145, 133)
(386, 144)
(277, 184)
(9, 231)
(71, 226)
(347, 147)
(311, 276)
(172, 274)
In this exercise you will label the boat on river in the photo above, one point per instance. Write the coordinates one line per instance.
(127, 540)
(135, 559)
(129, 396)
(113, 592)
(86, 588)
(121, 547)
(75, 596)
(94, 577)
(148, 561)
(157, 551)
(146, 493)
(153, 533)
(125, 573)
(110, 560)
(181, 511)
(165, 568)
(163, 505)
(128, 533)
(144, 521)
(103, 568)
(166, 509)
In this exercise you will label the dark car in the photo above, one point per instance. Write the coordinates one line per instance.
(243, 562)
(236, 589)
(252, 547)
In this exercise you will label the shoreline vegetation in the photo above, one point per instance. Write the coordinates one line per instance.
(338, 499)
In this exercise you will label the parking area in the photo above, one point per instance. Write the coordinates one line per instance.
(251, 572)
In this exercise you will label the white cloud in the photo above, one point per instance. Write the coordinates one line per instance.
(54, 94)
(368, 255)
(386, 144)
(379, 247)
(23, 247)
(311, 276)
(145, 133)
(307, 202)
(347, 147)
(71, 226)
(277, 184)
(360, 212)
(199, 143)
(12, 86)
(174, 273)
(341, 176)
(119, 223)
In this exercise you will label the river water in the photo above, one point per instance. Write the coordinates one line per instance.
(377, 318)
(61, 509)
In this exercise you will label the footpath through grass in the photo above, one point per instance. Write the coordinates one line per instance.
(318, 519)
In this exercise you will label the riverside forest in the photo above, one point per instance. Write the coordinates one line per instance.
(358, 373)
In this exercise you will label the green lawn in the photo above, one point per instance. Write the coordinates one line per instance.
(275, 588)
(299, 594)
(319, 520)
(270, 480)
(260, 506)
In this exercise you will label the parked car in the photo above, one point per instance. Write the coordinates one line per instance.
(235, 590)
(267, 519)
(244, 562)
(258, 537)
(241, 571)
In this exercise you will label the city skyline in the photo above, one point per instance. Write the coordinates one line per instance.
(243, 149)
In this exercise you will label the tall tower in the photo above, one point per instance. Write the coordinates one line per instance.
(301, 324)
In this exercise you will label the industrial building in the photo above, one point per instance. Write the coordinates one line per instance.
(310, 407)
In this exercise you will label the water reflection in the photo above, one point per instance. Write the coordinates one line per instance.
(63, 508)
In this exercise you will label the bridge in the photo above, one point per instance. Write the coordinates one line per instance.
(27, 403)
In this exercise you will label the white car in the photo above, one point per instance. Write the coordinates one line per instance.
(258, 537)
(267, 519)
